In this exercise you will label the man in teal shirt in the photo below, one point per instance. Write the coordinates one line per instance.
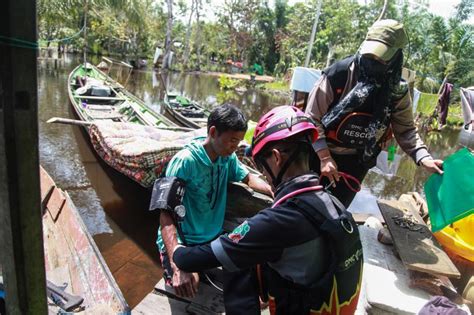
(206, 165)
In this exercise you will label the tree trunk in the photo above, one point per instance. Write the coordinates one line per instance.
(188, 35)
(198, 35)
(165, 63)
(330, 54)
(85, 33)
(384, 10)
(135, 48)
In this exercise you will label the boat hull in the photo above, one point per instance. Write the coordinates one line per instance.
(177, 111)
(97, 97)
(72, 257)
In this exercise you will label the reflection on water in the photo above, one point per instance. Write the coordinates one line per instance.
(114, 208)
(409, 177)
(202, 88)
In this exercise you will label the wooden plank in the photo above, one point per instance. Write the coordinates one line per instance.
(155, 303)
(416, 245)
(100, 107)
(55, 203)
(208, 299)
(105, 98)
(361, 217)
(386, 282)
(46, 184)
(99, 114)
(242, 201)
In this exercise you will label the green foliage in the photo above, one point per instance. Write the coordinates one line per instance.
(227, 83)
(455, 115)
(253, 31)
(277, 86)
(427, 103)
(226, 96)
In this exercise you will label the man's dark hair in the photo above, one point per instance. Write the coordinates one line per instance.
(227, 117)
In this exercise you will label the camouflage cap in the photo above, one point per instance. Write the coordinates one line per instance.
(384, 38)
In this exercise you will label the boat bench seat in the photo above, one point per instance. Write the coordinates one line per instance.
(105, 98)
(99, 107)
(101, 114)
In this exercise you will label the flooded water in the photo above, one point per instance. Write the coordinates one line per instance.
(115, 209)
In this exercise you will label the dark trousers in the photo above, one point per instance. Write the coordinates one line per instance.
(240, 288)
(348, 164)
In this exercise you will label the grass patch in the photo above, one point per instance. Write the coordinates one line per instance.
(227, 83)
(428, 103)
(455, 115)
(276, 86)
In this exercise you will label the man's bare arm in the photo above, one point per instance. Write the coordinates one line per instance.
(168, 231)
(258, 184)
(185, 284)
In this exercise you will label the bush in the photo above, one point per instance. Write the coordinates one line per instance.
(227, 83)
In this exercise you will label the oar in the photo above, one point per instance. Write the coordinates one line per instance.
(67, 121)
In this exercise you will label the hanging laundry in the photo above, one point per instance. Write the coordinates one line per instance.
(443, 102)
(467, 104)
(416, 98)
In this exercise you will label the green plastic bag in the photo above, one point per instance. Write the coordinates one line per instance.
(450, 196)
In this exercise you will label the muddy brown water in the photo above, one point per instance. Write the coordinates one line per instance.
(114, 208)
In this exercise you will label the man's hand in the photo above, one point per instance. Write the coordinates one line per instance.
(433, 166)
(328, 166)
(185, 284)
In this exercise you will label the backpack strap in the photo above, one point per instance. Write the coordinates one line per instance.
(317, 218)
(337, 75)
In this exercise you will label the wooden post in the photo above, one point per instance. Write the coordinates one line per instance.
(21, 248)
(85, 34)
(384, 10)
(313, 33)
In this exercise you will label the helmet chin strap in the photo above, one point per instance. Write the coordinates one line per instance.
(276, 181)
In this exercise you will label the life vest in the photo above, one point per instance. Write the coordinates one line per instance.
(337, 291)
(352, 131)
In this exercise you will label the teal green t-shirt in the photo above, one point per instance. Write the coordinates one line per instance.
(206, 190)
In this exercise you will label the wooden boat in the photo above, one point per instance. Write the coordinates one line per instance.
(72, 258)
(188, 113)
(97, 97)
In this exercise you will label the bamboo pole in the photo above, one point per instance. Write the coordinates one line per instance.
(313, 34)
(384, 10)
(75, 122)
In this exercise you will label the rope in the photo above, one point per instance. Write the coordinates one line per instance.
(346, 177)
(20, 43)
(63, 39)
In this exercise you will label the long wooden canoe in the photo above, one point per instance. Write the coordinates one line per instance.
(97, 97)
(187, 112)
(72, 258)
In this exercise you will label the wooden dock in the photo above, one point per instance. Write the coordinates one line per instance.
(163, 300)
(401, 278)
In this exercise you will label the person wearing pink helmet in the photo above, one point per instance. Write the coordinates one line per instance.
(306, 244)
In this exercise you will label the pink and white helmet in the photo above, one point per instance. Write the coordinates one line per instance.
(280, 123)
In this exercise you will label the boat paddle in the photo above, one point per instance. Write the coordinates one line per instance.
(68, 121)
